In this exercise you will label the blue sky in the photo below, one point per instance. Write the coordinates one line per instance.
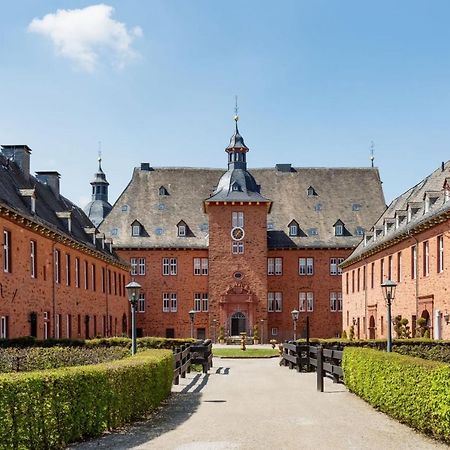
(155, 81)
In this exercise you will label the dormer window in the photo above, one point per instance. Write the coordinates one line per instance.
(293, 228)
(311, 192)
(339, 228)
(430, 200)
(236, 187)
(136, 229)
(182, 229)
(163, 191)
(359, 231)
(124, 208)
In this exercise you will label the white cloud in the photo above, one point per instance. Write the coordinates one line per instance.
(83, 35)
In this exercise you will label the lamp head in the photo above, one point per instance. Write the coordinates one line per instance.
(294, 315)
(192, 315)
(133, 290)
(388, 288)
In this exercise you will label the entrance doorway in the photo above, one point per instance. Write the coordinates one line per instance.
(238, 323)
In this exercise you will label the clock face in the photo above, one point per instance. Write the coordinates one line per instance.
(237, 233)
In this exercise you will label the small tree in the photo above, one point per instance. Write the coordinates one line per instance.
(421, 327)
(344, 335)
(221, 336)
(351, 333)
(255, 332)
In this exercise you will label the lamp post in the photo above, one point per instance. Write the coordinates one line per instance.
(192, 317)
(133, 289)
(294, 315)
(388, 288)
(262, 331)
(214, 330)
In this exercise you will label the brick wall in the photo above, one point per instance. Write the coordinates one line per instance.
(413, 295)
(21, 294)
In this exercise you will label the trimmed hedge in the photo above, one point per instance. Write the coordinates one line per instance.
(52, 408)
(145, 342)
(411, 390)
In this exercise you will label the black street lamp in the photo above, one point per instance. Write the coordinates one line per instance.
(388, 288)
(133, 290)
(214, 329)
(294, 315)
(192, 317)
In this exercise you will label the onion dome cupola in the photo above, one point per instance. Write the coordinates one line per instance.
(99, 207)
(237, 184)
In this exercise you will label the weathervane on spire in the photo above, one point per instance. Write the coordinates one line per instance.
(99, 155)
(236, 109)
(372, 151)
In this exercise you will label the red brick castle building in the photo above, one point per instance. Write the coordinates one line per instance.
(242, 249)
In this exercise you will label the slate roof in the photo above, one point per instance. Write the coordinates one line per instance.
(414, 199)
(353, 195)
(48, 204)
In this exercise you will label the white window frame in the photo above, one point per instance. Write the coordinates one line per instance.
(310, 301)
(93, 277)
(181, 230)
(237, 247)
(197, 301)
(440, 262)
(270, 266)
(309, 266)
(302, 266)
(135, 230)
(33, 259)
(274, 331)
(205, 266)
(67, 269)
(77, 272)
(293, 230)
(57, 265)
(3, 327)
(141, 303)
(86, 275)
(6, 251)
(58, 326)
(237, 219)
(166, 301)
(426, 258)
(141, 266)
(205, 302)
(173, 302)
(133, 265)
(333, 266)
(278, 266)
(414, 261)
(197, 266)
(339, 229)
(333, 301)
(274, 301)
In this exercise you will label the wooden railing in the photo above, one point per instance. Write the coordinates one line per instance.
(201, 353)
(304, 358)
(181, 363)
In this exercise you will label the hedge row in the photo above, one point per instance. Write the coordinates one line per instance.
(145, 342)
(411, 390)
(51, 408)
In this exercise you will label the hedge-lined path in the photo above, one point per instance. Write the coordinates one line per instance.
(255, 404)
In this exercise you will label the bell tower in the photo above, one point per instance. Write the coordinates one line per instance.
(238, 245)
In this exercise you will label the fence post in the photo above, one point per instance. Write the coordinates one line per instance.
(320, 368)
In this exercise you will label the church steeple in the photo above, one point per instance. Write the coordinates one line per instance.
(237, 150)
(100, 184)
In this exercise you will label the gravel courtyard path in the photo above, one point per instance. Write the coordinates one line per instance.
(255, 404)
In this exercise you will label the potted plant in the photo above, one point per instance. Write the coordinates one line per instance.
(255, 334)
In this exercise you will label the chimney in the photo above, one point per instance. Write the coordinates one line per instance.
(145, 166)
(442, 166)
(20, 154)
(51, 179)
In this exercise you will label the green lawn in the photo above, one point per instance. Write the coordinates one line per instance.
(249, 353)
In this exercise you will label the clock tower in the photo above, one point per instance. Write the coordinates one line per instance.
(237, 215)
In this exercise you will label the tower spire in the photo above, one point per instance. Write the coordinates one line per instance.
(372, 152)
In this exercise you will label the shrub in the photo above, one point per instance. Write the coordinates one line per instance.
(344, 335)
(39, 358)
(411, 390)
(52, 408)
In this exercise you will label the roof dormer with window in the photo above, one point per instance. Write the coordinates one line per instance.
(136, 229)
(389, 224)
(311, 192)
(413, 210)
(339, 228)
(430, 199)
(182, 229)
(162, 191)
(293, 228)
(400, 218)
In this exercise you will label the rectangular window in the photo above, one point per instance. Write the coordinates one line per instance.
(133, 264)
(68, 280)
(141, 266)
(6, 251)
(57, 265)
(4, 327)
(310, 301)
(237, 219)
(58, 326)
(274, 301)
(306, 266)
(381, 270)
(69, 326)
(115, 283)
(237, 248)
(169, 266)
(77, 272)
(205, 264)
(390, 267)
(46, 324)
(182, 230)
(305, 301)
(169, 302)
(274, 331)
(334, 266)
(136, 230)
(413, 262)
(103, 280)
(141, 303)
(353, 281)
(333, 301)
(86, 275)
(108, 274)
(440, 254)
(93, 277)
(270, 266)
(372, 275)
(364, 278)
(278, 266)
(399, 267)
(359, 277)
(33, 265)
(346, 282)
(200, 266)
(197, 301)
(205, 302)
(426, 259)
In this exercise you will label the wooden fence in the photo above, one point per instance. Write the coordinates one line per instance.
(188, 354)
(304, 358)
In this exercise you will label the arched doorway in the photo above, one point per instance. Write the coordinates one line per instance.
(238, 323)
(372, 327)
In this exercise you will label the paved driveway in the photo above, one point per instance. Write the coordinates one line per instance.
(255, 404)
